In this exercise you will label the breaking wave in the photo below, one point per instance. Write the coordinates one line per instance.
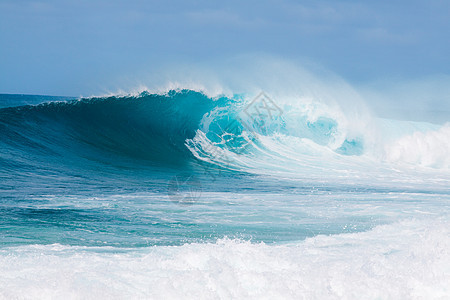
(185, 126)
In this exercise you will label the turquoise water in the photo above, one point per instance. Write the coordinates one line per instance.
(157, 178)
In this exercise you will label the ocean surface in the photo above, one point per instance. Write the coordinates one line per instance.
(181, 194)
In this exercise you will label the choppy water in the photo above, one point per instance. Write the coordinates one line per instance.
(180, 194)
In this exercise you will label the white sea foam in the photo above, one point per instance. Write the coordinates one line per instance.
(406, 260)
(430, 148)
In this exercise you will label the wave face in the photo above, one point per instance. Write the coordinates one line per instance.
(148, 126)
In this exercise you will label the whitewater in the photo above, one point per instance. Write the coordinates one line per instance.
(184, 193)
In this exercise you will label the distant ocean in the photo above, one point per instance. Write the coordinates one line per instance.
(182, 194)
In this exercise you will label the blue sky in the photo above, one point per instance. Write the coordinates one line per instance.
(90, 47)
